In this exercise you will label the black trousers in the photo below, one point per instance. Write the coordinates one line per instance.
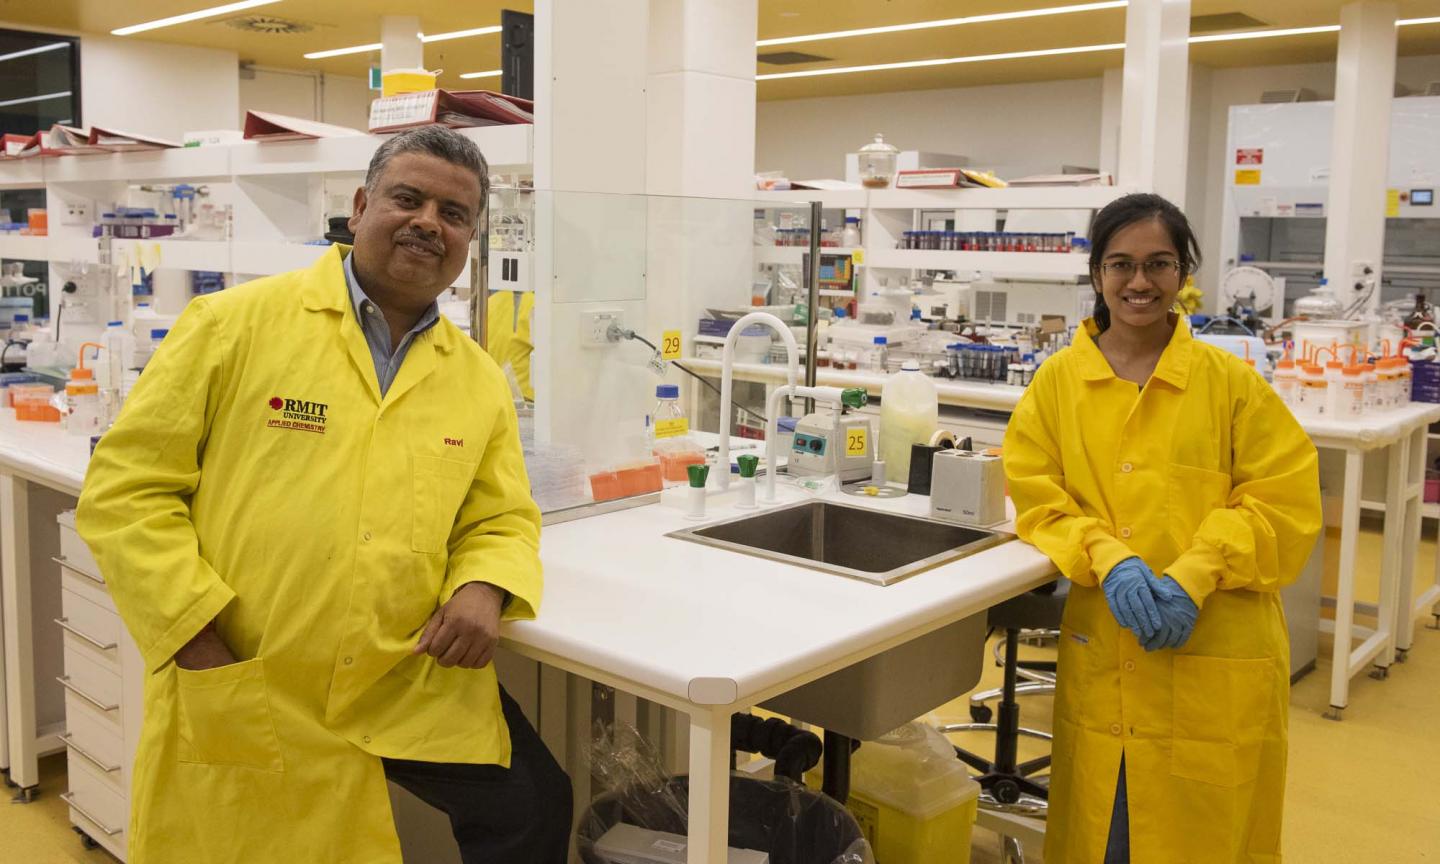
(499, 815)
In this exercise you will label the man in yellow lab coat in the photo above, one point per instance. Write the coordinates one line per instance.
(313, 514)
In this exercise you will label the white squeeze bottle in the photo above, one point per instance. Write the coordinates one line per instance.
(1287, 378)
(909, 414)
(1352, 399)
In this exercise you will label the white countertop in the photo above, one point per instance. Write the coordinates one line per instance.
(716, 627)
(43, 452)
(686, 620)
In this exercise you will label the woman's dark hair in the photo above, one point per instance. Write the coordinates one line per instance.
(1126, 211)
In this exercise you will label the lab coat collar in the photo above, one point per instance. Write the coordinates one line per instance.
(1173, 368)
(325, 290)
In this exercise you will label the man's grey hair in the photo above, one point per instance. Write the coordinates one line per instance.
(436, 141)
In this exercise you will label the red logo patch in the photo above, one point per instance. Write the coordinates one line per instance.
(277, 403)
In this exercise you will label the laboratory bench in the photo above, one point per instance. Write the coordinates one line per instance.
(704, 632)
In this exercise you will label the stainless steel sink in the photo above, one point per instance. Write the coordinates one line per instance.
(869, 698)
(848, 541)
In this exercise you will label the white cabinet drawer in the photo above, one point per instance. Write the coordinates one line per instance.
(93, 800)
(90, 626)
(73, 550)
(95, 737)
(94, 681)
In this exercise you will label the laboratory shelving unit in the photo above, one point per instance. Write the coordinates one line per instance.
(279, 192)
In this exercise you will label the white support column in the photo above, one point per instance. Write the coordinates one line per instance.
(1360, 149)
(1155, 112)
(400, 45)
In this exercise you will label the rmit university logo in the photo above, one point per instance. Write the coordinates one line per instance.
(299, 414)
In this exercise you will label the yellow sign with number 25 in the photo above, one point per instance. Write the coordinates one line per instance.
(855, 443)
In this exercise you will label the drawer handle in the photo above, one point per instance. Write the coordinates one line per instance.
(65, 625)
(70, 742)
(65, 562)
(69, 798)
(65, 682)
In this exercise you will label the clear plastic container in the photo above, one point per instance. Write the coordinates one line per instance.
(909, 414)
(850, 237)
(668, 420)
(877, 162)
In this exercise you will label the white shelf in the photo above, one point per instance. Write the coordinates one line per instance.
(178, 254)
(24, 248)
(794, 254)
(72, 248)
(186, 163)
(267, 259)
(1046, 264)
(1025, 197)
(22, 173)
(843, 199)
(506, 148)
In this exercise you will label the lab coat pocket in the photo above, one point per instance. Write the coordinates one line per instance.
(440, 487)
(1193, 494)
(1222, 709)
(225, 717)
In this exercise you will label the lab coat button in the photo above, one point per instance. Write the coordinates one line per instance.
(1127, 467)
(1114, 730)
(366, 739)
(1129, 665)
(349, 660)
(366, 536)
(1124, 533)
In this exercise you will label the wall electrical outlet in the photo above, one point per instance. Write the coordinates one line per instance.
(78, 213)
(595, 327)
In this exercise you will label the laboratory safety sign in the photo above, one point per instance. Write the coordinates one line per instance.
(1247, 178)
(1250, 156)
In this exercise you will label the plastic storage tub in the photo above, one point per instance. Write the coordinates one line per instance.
(914, 801)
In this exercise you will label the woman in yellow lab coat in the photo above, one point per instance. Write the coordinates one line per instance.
(1167, 480)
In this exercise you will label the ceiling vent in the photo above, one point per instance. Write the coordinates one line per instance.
(1223, 23)
(1276, 97)
(790, 58)
(269, 25)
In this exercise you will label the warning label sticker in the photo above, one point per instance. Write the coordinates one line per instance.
(1250, 156)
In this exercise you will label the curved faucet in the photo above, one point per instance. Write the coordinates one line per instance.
(726, 374)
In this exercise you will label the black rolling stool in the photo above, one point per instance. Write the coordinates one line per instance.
(1003, 778)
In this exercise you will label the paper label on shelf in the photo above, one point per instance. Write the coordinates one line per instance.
(855, 443)
(403, 109)
(1392, 203)
(671, 428)
(857, 256)
(670, 345)
(1247, 177)
(1250, 156)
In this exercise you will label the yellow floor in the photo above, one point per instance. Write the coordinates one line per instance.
(1361, 790)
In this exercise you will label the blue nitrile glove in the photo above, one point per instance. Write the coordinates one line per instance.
(1177, 610)
(1128, 591)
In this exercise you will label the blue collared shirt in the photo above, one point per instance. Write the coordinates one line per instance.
(377, 331)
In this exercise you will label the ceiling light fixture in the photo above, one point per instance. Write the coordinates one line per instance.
(1264, 34)
(376, 46)
(977, 58)
(946, 22)
(340, 52)
(190, 16)
(61, 95)
(460, 34)
(1408, 22)
(53, 46)
(491, 74)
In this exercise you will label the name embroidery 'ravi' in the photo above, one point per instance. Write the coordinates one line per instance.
(299, 414)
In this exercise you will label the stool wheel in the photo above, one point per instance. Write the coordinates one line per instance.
(981, 713)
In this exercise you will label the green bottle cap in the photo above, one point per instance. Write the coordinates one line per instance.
(748, 464)
(698, 475)
(855, 397)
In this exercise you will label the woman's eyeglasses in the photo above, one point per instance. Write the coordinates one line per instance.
(1155, 268)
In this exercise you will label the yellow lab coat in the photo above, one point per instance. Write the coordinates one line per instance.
(257, 475)
(1207, 477)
